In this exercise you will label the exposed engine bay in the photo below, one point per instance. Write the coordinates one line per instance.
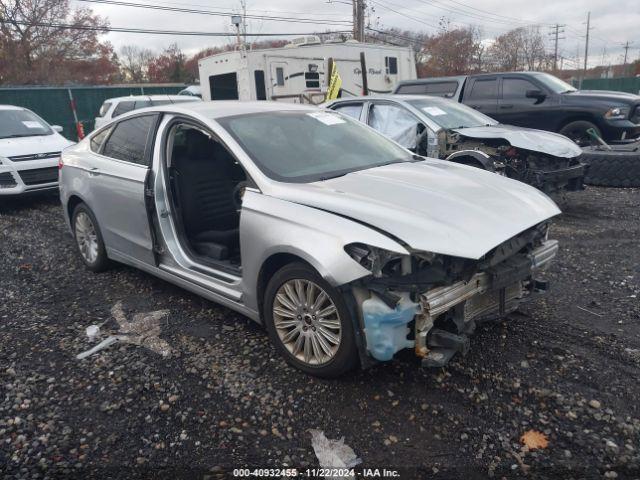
(544, 171)
(432, 302)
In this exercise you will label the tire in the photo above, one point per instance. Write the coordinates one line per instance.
(612, 168)
(577, 131)
(86, 233)
(293, 324)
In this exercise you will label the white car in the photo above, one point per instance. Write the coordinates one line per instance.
(29, 152)
(114, 107)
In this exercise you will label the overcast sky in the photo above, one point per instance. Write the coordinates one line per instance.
(614, 23)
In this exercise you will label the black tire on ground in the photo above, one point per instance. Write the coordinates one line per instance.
(101, 262)
(612, 168)
(346, 356)
(577, 131)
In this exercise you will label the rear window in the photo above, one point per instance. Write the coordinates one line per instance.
(97, 140)
(123, 107)
(484, 88)
(438, 89)
(352, 109)
(129, 140)
(104, 109)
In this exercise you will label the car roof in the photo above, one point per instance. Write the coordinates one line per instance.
(224, 108)
(392, 97)
(11, 107)
(149, 97)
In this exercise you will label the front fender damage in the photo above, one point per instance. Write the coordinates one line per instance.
(436, 317)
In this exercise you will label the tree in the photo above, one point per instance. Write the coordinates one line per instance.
(134, 63)
(452, 52)
(169, 66)
(39, 47)
(520, 49)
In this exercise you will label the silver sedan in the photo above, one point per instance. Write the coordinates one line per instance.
(345, 245)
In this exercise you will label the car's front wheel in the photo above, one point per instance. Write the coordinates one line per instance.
(309, 323)
(89, 239)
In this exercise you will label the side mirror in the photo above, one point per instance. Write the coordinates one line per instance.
(57, 128)
(422, 141)
(539, 95)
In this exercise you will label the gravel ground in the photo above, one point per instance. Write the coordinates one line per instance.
(566, 365)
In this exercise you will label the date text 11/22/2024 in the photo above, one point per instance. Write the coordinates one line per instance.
(319, 473)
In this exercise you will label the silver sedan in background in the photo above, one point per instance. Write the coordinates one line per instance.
(346, 246)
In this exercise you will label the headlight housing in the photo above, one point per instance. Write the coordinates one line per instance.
(617, 113)
(376, 260)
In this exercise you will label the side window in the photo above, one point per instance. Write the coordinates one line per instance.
(142, 104)
(391, 65)
(484, 88)
(394, 122)
(104, 109)
(129, 139)
(123, 107)
(351, 109)
(279, 76)
(516, 87)
(96, 141)
(442, 89)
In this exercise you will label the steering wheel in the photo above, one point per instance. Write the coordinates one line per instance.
(238, 193)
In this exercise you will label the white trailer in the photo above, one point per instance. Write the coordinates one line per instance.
(297, 72)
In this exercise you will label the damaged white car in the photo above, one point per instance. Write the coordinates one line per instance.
(441, 128)
(347, 247)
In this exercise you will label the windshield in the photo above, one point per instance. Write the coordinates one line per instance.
(307, 146)
(450, 114)
(22, 123)
(554, 83)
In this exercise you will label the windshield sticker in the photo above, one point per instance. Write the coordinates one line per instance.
(434, 111)
(327, 118)
(31, 124)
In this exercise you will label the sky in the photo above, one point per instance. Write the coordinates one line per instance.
(613, 23)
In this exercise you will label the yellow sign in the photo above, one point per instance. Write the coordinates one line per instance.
(335, 83)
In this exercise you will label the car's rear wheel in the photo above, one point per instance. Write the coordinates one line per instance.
(577, 131)
(89, 239)
(309, 323)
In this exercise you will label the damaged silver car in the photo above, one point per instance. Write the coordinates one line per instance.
(441, 128)
(346, 246)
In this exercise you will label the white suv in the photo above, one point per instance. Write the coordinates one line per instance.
(29, 152)
(114, 107)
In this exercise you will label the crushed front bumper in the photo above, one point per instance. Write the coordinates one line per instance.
(488, 294)
(570, 178)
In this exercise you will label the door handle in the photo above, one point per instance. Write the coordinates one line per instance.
(505, 107)
(93, 171)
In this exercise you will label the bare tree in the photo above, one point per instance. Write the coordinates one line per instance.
(452, 52)
(134, 63)
(520, 49)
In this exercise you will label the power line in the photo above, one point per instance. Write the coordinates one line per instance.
(64, 26)
(220, 14)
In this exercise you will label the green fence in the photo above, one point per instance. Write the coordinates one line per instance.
(628, 84)
(54, 105)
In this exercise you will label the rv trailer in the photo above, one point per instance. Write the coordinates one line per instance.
(298, 71)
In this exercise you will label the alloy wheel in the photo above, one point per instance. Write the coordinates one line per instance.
(307, 321)
(86, 237)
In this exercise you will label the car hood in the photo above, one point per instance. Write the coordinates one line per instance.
(11, 147)
(526, 138)
(431, 205)
(605, 95)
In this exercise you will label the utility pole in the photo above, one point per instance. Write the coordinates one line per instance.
(359, 7)
(586, 48)
(556, 32)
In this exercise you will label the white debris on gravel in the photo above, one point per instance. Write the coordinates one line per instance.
(144, 330)
(333, 453)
